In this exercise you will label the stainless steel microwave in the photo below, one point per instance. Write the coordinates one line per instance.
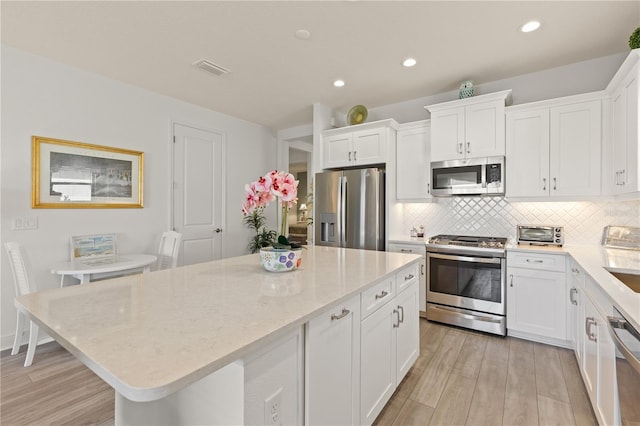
(542, 235)
(471, 176)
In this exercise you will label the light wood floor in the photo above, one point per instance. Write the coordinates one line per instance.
(468, 378)
(460, 378)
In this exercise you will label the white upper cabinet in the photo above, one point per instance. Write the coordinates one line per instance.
(358, 145)
(553, 148)
(622, 173)
(468, 128)
(412, 161)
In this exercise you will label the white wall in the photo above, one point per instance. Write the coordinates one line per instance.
(41, 97)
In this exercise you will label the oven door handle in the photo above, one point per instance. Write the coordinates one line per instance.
(493, 260)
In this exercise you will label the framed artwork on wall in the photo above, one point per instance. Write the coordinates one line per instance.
(68, 174)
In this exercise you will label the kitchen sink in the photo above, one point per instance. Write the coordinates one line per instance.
(630, 280)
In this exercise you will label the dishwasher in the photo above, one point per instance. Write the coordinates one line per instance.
(627, 341)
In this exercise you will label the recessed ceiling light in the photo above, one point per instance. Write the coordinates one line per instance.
(303, 34)
(409, 62)
(530, 26)
(338, 83)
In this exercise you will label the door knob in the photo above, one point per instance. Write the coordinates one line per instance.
(218, 230)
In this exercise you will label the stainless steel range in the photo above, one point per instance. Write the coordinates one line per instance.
(466, 278)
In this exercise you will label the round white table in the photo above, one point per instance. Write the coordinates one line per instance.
(85, 268)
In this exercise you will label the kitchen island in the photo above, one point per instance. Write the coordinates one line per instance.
(173, 343)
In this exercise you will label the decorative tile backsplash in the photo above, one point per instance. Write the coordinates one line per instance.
(583, 221)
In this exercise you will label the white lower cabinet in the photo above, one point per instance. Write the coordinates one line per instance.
(378, 361)
(536, 296)
(357, 352)
(332, 373)
(390, 345)
(599, 357)
(575, 325)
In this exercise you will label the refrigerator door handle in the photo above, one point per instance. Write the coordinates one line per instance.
(339, 208)
(343, 211)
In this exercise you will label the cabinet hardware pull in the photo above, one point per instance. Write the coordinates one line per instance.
(349, 155)
(422, 269)
(401, 308)
(510, 280)
(617, 177)
(428, 188)
(396, 325)
(623, 174)
(217, 230)
(573, 292)
(382, 295)
(588, 322)
(407, 250)
(534, 261)
(544, 184)
(409, 277)
(355, 158)
(460, 148)
(468, 147)
(344, 313)
(555, 184)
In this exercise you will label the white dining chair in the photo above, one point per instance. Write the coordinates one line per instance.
(168, 250)
(23, 285)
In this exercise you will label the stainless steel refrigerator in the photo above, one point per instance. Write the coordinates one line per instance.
(349, 208)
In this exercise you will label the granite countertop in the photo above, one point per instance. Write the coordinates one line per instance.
(152, 334)
(594, 259)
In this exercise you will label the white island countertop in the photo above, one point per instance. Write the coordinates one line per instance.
(153, 334)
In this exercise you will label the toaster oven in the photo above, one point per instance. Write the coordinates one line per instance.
(543, 235)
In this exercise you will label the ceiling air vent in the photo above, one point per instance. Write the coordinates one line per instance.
(209, 66)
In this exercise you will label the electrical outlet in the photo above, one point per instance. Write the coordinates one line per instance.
(273, 409)
(24, 222)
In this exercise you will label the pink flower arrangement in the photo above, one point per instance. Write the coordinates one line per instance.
(267, 188)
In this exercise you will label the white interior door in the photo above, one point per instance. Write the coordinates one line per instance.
(198, 193)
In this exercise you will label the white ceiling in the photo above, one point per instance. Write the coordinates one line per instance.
(275, 77)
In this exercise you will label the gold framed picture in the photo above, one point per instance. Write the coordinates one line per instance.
(68, 174)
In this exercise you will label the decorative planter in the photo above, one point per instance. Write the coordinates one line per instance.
(280, 260)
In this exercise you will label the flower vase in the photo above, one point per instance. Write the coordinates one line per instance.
(280, 260)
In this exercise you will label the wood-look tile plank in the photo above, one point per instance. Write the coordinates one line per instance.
(554, 413)
(521, 404)
(549, 378)
(487, 405)
(470, 357)
(580, 404)
(413, 414)
(453, 407)
(430, 386)
(411, 379)
(389, 413)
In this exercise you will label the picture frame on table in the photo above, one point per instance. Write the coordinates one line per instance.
(67, 174)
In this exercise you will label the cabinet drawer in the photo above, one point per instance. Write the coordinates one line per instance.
(376, 296)
(407, 276)
(407, 248)
(530, 260)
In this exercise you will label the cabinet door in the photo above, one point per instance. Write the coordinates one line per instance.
(332, 366)
(378, 361)
(408, 333)
(527, 165)
(625, 136)
(337, 151)
(575, 319)
(447, 134)
(575, 144)
(484, 130)
(369, 147)
(536, 302)
(412, 163)
(606, 374)
(590, 359)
